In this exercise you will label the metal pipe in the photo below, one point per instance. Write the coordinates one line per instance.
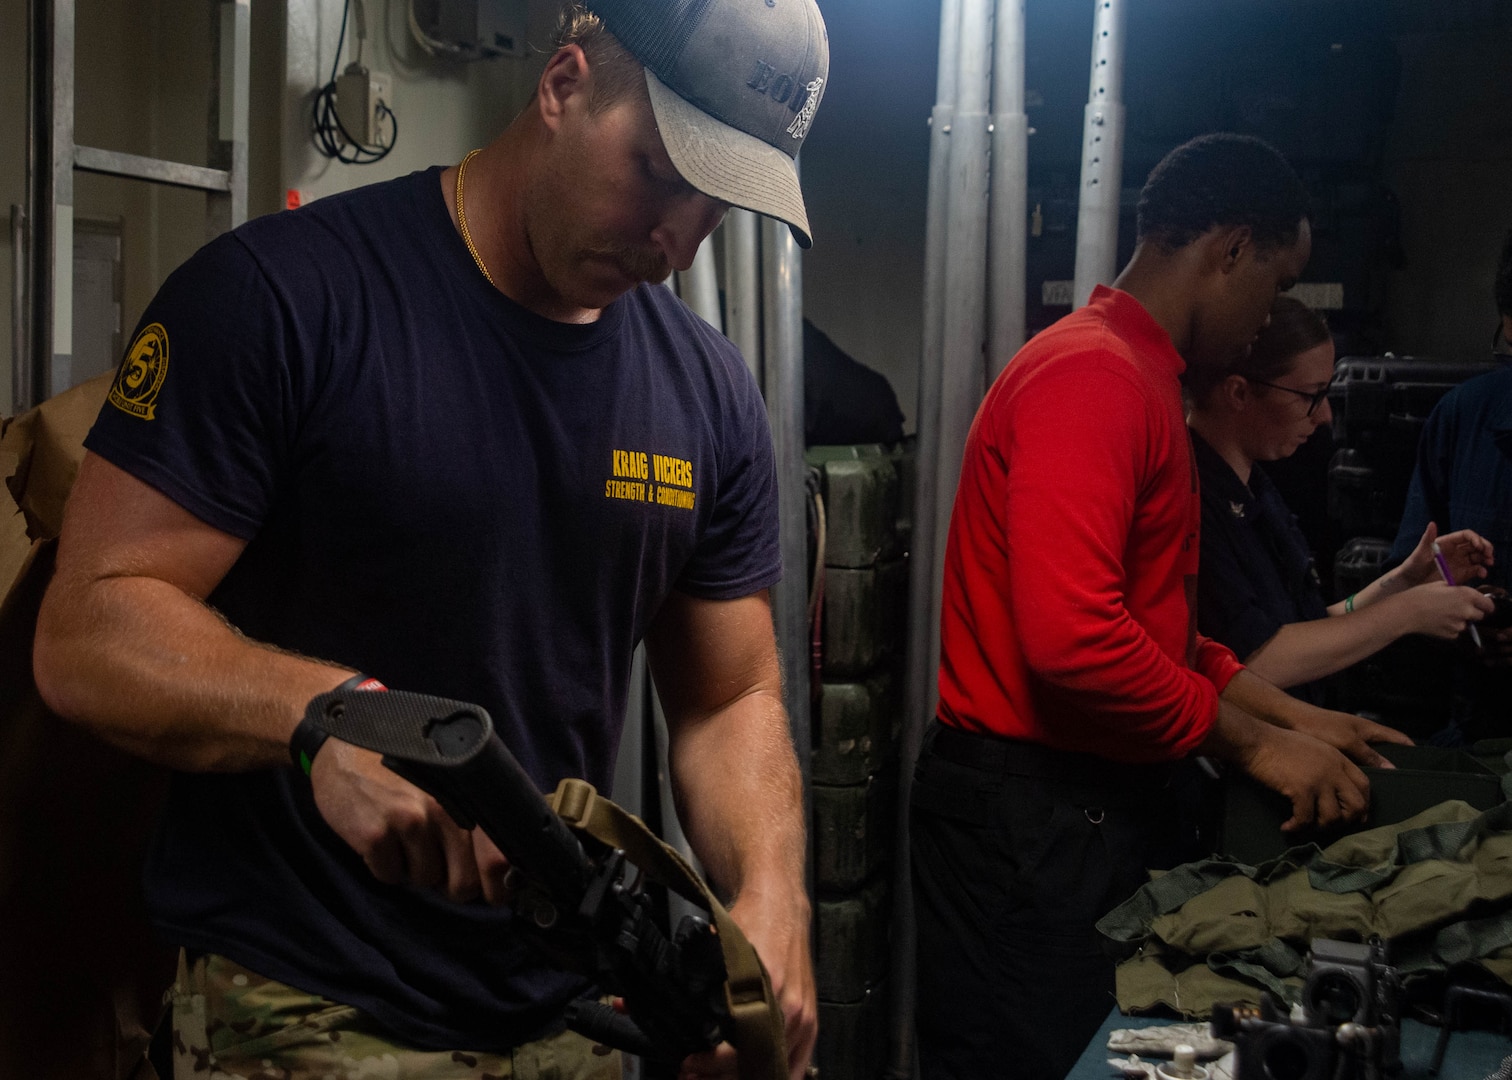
(231, 51)
(923, 644)
(962, 374)
(699, 286)
(782, 337)
(22, 363)
(20, 368)
(1007, 241)
(50, 197)
(742, 287)
(1102, 154)
(304, 67)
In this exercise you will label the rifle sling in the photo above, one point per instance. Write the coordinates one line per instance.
(754, 1013)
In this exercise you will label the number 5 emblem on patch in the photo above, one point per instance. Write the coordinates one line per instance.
(142, 373)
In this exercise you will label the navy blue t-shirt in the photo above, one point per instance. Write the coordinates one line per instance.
(448, 493)
(1257, 573)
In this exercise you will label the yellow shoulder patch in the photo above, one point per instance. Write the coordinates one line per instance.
(137, 384)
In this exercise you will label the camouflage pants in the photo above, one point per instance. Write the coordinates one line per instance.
(233, 1024)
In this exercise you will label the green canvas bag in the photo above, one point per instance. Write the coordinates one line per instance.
(1437, 888)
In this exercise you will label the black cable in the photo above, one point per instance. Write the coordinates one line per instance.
(329, 134)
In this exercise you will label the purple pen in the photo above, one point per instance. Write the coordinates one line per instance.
(1443, 565)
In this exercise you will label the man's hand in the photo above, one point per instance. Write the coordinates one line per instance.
(1325, 787)
(493, 869)
(778, 929)
(738, 790)
(401, 833)
(1345, 732)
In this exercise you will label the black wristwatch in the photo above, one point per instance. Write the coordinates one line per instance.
(307, 739)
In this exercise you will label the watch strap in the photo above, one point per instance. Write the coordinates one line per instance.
(307, 739)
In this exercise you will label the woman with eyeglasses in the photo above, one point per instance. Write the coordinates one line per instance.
(1258, 588)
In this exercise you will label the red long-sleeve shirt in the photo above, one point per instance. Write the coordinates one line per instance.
(1069, 607)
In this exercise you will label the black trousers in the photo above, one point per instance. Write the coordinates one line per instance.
(1017, 851)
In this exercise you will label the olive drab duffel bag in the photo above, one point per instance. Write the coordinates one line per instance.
(1437, 888)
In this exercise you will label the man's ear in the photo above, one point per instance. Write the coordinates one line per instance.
(1507, 329)
(1237, 243)
(566, 77)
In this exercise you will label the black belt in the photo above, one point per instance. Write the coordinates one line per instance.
(1014, 757)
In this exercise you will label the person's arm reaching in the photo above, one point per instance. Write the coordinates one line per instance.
(127, 647)
(1344, 731)
(738, 789)
(1410, 599)
(1309, 774)
(1302, 652)
(1466, 553)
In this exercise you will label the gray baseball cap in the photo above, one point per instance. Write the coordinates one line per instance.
(734, 85)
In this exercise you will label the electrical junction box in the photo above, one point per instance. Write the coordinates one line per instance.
(473, 29)
(359, 92)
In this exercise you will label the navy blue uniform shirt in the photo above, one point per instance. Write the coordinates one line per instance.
(1257, 574)
(1463, 480)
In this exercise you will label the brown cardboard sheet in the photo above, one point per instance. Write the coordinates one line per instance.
(81, 974)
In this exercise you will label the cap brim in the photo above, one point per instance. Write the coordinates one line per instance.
(727, 164)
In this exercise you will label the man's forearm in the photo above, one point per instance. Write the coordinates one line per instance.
(163, 676)
(740, 796)
(1235, 734)
(1260, 699)
(1266, 705)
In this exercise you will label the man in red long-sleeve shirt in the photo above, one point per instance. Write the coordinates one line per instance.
(1071, 674)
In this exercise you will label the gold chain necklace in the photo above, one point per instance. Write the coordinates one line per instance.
(462, 218)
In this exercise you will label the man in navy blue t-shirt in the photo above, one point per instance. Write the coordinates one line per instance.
(447, 432)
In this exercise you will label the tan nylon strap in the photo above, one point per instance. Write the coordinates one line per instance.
(754, 1012)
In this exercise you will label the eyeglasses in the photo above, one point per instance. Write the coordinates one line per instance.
(1314, 399)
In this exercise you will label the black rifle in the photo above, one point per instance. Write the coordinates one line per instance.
(573, 903)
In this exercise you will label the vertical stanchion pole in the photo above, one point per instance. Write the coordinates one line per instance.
(700, 286)
(1007, 244)
(230, 85)
(782, 365)
(962, 374)
(20, 319)
(1102, 155)
(742, 289)
(926, 543)
(50, 197)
